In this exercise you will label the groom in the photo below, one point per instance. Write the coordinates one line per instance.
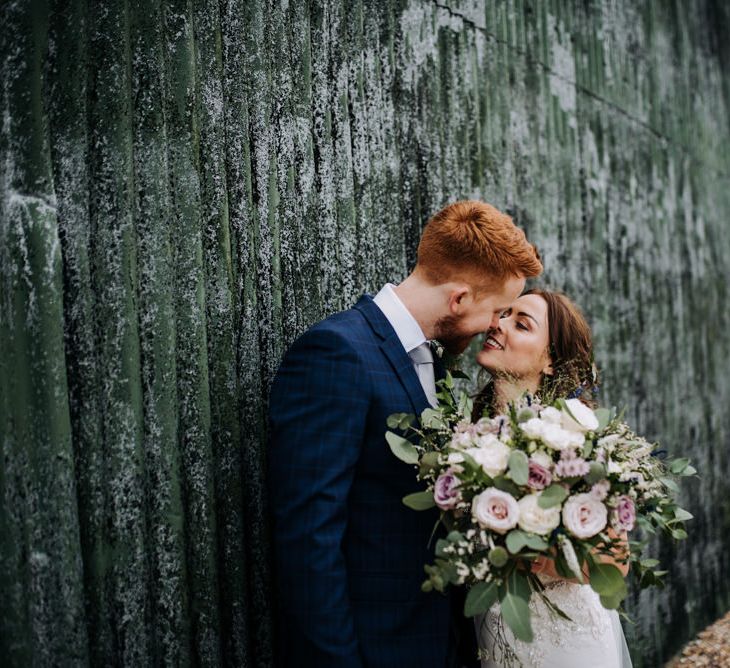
(349, 555)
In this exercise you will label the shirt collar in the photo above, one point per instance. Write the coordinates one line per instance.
(405, 325)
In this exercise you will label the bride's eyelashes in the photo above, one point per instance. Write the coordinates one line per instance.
(519, 324)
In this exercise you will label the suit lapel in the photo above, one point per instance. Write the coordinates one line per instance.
(393, 350)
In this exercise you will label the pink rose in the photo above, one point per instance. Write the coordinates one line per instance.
(445, 491)
(538, 476)
(496, 510)
(623, 515)
(584, 516)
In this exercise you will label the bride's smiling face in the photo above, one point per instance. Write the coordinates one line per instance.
(519, 346)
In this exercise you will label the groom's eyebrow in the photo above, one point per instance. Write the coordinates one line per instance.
(530, 317)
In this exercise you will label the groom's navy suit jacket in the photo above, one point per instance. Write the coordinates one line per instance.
(349, 554)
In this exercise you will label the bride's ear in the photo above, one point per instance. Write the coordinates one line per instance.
(547, 370)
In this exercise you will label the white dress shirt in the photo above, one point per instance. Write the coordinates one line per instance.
(410, 335)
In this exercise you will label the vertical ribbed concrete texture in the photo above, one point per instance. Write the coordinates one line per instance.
(185, 186)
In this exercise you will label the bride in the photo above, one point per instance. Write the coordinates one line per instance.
(543, 346)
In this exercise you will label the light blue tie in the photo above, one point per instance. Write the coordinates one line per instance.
(423, 362)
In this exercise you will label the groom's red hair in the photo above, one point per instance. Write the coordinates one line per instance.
(473, 240)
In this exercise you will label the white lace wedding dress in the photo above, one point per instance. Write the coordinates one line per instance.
(592, 639)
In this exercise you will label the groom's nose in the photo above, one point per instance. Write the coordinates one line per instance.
(494, 323)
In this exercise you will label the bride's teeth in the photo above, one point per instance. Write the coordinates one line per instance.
(492, 343)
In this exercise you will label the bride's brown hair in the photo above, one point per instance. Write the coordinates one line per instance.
(571, 353)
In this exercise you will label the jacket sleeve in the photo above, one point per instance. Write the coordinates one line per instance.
(318, 407)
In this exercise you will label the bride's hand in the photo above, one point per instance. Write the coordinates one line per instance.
(546, 566)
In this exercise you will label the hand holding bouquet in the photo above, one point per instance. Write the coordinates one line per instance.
(558, 482)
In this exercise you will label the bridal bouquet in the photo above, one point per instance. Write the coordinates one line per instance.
(561, 481)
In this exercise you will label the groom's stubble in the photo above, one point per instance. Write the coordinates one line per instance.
(451, 335)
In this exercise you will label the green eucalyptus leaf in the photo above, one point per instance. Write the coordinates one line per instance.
(525, 414)
(612, 602)
(402, 448)
(516, 613)
(678, 465)
(606, 579)
(419, 500)
(400, 420)
(393, 420)
(682, 514)
(596, 472)
(518, 584)
(518, 467)
(604, 417)
(516, 540)
(689, 470)
(470, 462)
(552, 496)
(535, 542)
(465, 404)
(441, 544)
(480, 598)
(432, 418)
(669, 484)
(449, 573)
(587, 448)
(506, 485)
(430, 460)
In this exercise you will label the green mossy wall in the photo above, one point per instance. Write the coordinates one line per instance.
(187, 185)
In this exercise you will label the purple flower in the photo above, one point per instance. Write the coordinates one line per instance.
(623, 515)
(573, 467)
(445, 490)
(538, 476)
(570, 465)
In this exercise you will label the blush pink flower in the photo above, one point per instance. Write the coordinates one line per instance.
(584, 516)
(496, 510)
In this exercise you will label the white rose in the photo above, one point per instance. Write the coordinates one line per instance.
(461, 439)
(455, 458)
(486, 440)
(580, 418)
(542, 458)
(613, 467)
(584, 516)
(496, 510)
(558, 438)
(492, 458)
(533, 427)
(535, 519)
(551, 414)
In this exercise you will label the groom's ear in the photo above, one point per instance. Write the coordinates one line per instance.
(457, 296)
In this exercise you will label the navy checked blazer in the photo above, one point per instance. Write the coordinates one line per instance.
(349, 555)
